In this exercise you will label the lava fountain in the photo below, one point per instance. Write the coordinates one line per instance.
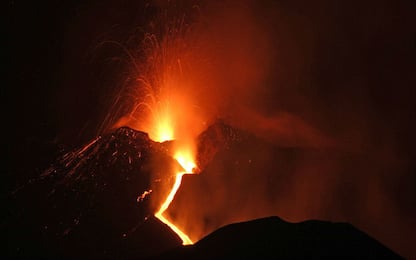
(161, 102)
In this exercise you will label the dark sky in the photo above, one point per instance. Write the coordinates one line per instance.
(344, 64)
(60, 77)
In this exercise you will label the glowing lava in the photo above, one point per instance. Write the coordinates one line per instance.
(187, 163)
(163, 130)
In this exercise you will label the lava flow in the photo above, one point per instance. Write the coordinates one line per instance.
(188, 165)
(163, 130)
(184, 157)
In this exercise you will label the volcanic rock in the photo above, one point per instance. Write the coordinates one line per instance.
(216, 138)
(273, 237)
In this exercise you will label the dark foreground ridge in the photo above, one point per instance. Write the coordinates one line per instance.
(273, 237)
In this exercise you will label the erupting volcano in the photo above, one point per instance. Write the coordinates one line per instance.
(162, 103)
(227, 131)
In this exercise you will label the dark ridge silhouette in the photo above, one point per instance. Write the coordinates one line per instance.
(275, 238)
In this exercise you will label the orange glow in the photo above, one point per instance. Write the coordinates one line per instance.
(165, 106)
(162, 130)
(185, 160)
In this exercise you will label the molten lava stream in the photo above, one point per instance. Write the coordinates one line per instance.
(188, 165)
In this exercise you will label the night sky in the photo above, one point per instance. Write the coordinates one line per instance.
(346, 67)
